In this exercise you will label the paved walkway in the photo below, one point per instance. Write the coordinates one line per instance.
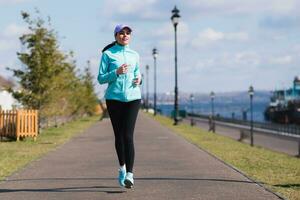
(167, 167)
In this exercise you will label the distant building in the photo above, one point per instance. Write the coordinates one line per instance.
(7, 102)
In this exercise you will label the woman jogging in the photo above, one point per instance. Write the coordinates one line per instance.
(119, 67)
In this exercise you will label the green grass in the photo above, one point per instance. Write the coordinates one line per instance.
(278, 172)
(15, 155)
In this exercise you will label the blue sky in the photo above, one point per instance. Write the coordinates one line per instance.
(222, 45)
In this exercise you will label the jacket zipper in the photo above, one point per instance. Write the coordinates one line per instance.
(125, 77)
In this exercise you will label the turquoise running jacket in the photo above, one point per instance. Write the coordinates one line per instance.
(120, 87)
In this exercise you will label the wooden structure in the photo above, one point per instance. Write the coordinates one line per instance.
(19, 123)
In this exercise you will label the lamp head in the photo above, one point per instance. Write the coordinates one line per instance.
(251, 91)
(192, 97)
(212, 95)
(154, 53)
(175, 16)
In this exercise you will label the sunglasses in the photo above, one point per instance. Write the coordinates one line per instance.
(124, 32)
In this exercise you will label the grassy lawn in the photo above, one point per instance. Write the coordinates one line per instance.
(15, 155)
(279, 172)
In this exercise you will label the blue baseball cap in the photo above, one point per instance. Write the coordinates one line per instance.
(120, 27)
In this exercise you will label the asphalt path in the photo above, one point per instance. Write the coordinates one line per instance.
(166, 167)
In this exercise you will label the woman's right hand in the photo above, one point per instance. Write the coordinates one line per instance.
(122, 69)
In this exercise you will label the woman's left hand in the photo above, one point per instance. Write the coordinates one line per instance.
(137, 80)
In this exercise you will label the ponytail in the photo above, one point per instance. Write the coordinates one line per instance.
(109, 46)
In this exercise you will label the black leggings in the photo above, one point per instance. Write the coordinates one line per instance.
(123, 117)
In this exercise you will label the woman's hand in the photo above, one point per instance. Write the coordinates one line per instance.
(137, 80)
(123, 69)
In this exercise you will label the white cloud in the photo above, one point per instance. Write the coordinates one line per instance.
(219, 38)
(8, 62)
(237, 36)
(9, 37)
(123, 7)
(7, 45)
(231, 46)
(165, 33)
(210, 36)
(247, 58)
(279, 37)
(284, 8)
(226, 63)
(95, 65)
(6, 2)
(14, 30)
(212, 7)
(94, 62)
(282, 60)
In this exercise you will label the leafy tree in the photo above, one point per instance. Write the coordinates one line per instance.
(91, 98)
(48, 77)
(42, 61)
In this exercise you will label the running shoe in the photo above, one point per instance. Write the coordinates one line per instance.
(122, 175)
(129, 180)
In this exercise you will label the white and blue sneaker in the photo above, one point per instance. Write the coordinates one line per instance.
(122, 175)
(129, 180)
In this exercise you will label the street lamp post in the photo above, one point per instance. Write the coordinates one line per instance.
(192, 109)
(175, 18)
(147, 93)
(251, 94)
(212, 124)
(154, 54)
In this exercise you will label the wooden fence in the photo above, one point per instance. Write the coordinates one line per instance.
(19, 123)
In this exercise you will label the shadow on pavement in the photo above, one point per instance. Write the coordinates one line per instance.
(69, 189)
(144, 179)
(197, 179)
(107, 189)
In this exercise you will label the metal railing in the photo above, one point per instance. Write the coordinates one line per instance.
(281, 129)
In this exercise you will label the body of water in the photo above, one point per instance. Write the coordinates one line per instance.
(228, 110)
